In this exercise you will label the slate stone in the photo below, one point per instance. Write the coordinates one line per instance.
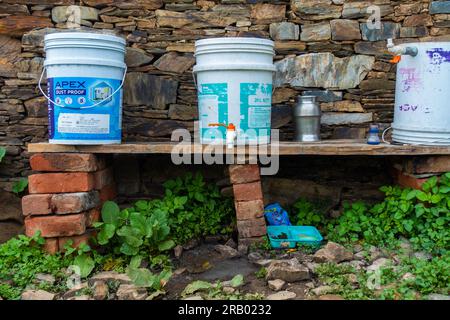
(389, 30)
(324, 95)
(137, 57)
(437, 7)
(323, 70)
(60, 14)
(316, 32)
(338, 118)
(284, 31)
(150, 90)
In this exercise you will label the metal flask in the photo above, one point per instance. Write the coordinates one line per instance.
(307, 119)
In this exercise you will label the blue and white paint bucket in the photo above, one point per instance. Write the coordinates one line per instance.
(234, 82)
(85, 75)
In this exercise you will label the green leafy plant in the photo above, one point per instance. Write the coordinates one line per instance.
(19, 186)
(21, 258)
(2, 153)
(306, 213)
(261, 273)
(143, 277)
(136, 230)
(196, 208)
(422, 216)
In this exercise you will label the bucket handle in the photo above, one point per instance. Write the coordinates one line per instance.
(87, 107)
(196, 86)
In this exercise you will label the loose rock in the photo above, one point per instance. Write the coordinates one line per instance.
(276, 285)
(287, 270)
(131, 292)
(333, 252)
(282, 295)
(226, 251)
(37, 295)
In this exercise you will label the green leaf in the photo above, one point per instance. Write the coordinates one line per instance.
(85, 263)
(422, 196)
(20, 186)
(196, 286)
(411, 195)
(2, 153)
(237, 281)
(141, 205)
(444, 189)
(128, 250)
(106, 233)
(166, 245)
(141, 277)
(110, 212)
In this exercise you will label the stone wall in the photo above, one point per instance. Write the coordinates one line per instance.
(320, 44)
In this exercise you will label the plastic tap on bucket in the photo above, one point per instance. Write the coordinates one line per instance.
(87, 107)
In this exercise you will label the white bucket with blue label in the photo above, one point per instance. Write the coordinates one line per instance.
(234, 83)
(85, 75)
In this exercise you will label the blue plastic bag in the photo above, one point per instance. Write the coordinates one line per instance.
(276, 215)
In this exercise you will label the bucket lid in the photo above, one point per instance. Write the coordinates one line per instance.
(83, 36)
(234, 40)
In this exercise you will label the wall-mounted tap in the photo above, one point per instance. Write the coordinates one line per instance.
(401, 50)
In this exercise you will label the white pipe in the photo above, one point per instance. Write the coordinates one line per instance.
(401, 50)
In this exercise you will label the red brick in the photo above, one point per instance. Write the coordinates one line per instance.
(251, 228)
(51, 245)
(70, 162)
(108, 192)
(409, 181)
(36, 204)
(244, 173)
(60, 182)
(421, 165)
(56, 226)
(248, 210)
(74, 202)
(103, 178)
(92, 216)
(77, 240)
(247, 191)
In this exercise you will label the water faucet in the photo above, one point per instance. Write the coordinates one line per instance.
(401, 50)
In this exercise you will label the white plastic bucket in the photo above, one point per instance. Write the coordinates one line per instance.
(234, 83)
(85, 74)
(422, 99)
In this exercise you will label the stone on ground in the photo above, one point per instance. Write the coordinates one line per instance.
(333, 252)
(331, 297)
(110, 276)
(378, 264)
(276, 285)
(282, 295)
(226, 251)
(101, 290)
(287, 270)
(131, 292)
(37, 295)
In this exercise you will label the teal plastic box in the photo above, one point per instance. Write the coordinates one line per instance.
(287, 237)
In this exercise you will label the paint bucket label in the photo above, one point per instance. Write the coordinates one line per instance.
(213, 109)
(76, 118)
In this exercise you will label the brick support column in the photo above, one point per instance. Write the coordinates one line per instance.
(248, 201)
(65, 196)
(412, 172)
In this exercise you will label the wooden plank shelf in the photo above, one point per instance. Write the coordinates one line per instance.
(326, 147)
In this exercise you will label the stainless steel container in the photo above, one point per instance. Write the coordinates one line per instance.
(307, 119)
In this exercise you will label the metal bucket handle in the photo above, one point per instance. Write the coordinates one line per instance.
(87, 107)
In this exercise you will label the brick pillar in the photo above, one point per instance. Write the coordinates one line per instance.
(412, 172)
(66, 196)
(248, 201)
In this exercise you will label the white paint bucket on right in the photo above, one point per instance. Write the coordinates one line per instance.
(234, 82)
(422, 99)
